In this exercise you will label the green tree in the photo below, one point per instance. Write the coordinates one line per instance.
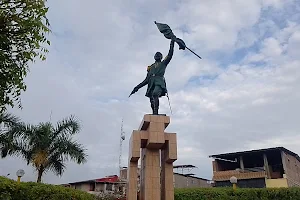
(23, 30)
(45, 146)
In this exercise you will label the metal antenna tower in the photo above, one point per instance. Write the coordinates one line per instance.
(50, 115)
(122, 138)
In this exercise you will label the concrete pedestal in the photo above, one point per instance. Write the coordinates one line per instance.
(157, 150)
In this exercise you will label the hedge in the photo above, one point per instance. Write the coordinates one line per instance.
(239, 194)
(10, 190)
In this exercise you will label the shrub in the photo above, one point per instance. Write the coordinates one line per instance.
(239, 194)
(10, 190)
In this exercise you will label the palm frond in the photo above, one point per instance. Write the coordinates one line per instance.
(56, 164)
(17, 130)
(12, 146)
(40, 137)
(71, 150)
(9, 119)
(69, 125)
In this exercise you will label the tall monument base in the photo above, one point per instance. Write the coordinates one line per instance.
(157, 150)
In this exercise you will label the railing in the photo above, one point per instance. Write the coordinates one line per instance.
(225, 175)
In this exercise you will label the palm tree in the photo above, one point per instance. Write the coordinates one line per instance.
(45, 146)
(7, 122)
(8, 119)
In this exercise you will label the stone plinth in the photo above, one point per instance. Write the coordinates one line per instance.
(157, 150)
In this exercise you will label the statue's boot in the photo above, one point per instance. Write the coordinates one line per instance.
(152, 104)
(155, 105)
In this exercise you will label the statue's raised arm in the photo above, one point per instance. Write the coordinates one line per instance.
(171, 51)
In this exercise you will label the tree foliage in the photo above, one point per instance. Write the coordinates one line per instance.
(44, 146)
(23, 30)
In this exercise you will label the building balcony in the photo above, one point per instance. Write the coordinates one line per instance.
(277, 183)
(225, 175)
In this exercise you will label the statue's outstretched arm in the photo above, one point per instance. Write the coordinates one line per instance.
(170, 54)
(143, 83)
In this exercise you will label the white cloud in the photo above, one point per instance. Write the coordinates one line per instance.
(273, 3)
(100, 51)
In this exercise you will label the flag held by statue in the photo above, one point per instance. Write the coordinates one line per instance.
(168, 33)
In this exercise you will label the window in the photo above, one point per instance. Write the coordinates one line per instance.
(109, 186)
(78, 186)
(92, 186)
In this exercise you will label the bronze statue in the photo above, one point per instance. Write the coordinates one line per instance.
(155, 78)
(155, 72)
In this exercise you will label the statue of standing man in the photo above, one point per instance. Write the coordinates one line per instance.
(155, 72)
(155, 78)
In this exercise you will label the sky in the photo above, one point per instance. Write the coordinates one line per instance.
(243, 95)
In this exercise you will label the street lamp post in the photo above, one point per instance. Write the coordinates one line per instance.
(233, 180)
(19, 174)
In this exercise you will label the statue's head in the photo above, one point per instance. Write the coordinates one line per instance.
(158, 56)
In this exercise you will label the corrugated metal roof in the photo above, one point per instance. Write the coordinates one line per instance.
(189, 175)
(184, 166)
(108, 179)
(234, 154)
